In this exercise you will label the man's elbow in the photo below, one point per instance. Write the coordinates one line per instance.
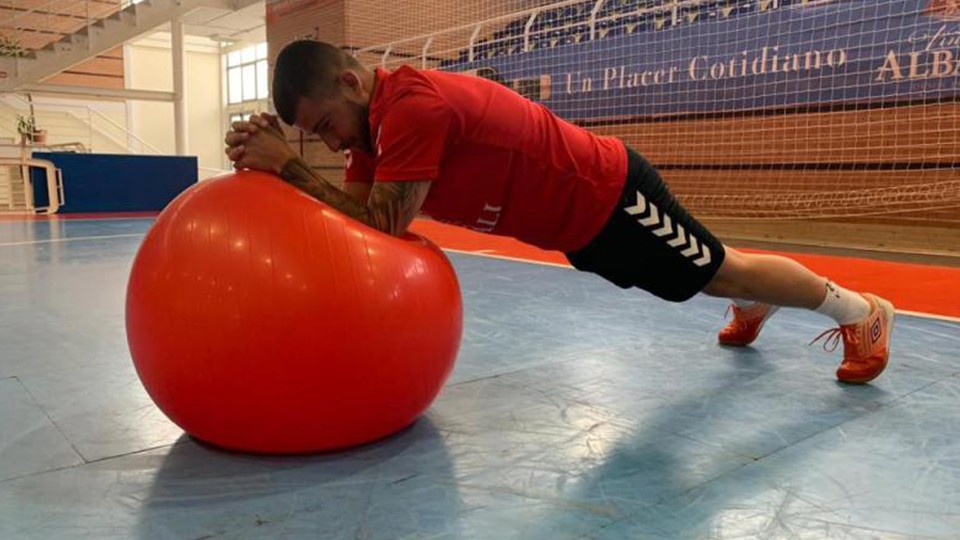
(387, 223)
(358, 191)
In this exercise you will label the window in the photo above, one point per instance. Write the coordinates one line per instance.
(246, 85)
(240, 117)
(247, 74)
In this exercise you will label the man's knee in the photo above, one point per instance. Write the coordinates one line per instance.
(730, 280)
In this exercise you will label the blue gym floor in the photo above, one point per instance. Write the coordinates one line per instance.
(576, 410)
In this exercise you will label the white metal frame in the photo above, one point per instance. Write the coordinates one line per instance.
(57, 197)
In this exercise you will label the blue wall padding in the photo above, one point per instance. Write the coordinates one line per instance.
(41, 195)
(116, 182)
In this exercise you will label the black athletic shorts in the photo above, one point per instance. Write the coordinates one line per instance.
(650, 241)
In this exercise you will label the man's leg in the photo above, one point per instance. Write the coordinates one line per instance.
(775, 280)
(760, 283)
(653, 243)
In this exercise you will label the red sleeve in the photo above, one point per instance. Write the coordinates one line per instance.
(413, 137)
(359, 167)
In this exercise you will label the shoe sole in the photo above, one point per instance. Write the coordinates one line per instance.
(729, 343)
(890, 314)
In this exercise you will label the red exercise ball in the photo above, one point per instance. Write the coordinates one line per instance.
(262, 320)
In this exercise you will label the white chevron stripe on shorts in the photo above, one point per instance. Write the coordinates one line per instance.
(667, 227)
(639, 208)
(694, 248)
(664, 226)
(681, 238)
(705, 259)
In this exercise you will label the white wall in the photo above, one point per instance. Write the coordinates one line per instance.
(149, 66)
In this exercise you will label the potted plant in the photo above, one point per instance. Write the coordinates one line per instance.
(29, 133)
(39, 135)
(26, 127)
(10, 46)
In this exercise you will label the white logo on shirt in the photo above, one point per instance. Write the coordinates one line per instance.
(487, 221)
(348, 157)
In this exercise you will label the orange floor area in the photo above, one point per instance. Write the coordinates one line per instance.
(912, 287)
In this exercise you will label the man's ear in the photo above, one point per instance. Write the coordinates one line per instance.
(351, 81)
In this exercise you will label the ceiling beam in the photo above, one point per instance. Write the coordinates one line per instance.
(98, 93)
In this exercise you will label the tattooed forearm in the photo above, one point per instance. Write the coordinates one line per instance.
(393, 205)
(298, 174)
(390, 208)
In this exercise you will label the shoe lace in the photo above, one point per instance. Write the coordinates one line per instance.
(833, 335)
(738, 323)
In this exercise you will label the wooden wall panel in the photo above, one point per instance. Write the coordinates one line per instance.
(913, 134)
(103, 71)
(813, 153)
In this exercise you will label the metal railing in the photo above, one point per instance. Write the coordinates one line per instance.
(108, 130)
(129, 134)
(90, 138)
(592, 24)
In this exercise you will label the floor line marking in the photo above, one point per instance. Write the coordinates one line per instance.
(919, 314)
(71, 239)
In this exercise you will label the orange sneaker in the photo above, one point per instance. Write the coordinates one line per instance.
(746, 324)
(866, 344)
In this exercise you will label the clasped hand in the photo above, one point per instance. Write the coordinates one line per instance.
(258, 144)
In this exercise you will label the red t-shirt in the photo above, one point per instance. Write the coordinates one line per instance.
(499, 163)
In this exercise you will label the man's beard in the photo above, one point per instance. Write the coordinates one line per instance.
(362, 114)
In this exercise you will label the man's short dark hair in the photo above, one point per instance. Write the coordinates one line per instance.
(307, 68)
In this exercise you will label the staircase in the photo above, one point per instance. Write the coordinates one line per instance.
(97, 36)
(13, 195)
(69, 126)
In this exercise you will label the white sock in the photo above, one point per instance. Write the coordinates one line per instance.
(741, 303)
(843, 306)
